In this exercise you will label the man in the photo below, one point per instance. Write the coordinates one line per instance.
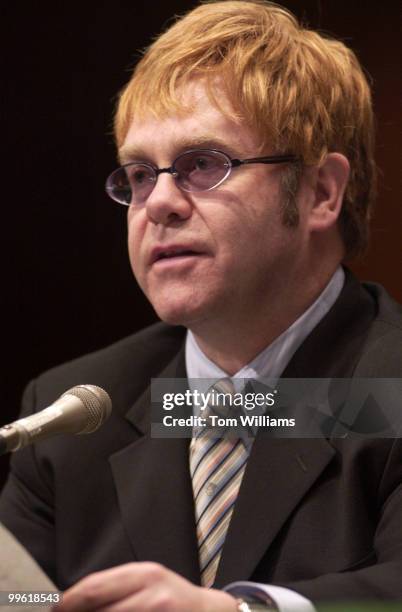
(247, 148)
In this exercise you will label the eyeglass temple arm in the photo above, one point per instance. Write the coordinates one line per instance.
(273, 159)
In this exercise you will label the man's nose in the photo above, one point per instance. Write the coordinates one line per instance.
(167, 202)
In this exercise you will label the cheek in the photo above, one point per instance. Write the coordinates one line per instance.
(135, 240)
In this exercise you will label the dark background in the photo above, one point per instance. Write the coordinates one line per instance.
(67, 287)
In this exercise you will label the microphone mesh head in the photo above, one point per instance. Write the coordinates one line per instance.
(96, 401)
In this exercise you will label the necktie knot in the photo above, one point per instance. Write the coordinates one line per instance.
(220, 398)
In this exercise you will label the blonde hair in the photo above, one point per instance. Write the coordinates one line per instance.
(302, 92)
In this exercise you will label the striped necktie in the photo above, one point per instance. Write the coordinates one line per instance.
(217, 466)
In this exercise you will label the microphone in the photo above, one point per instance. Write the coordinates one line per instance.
(80, 410)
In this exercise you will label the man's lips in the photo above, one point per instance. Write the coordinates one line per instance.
(172, 251)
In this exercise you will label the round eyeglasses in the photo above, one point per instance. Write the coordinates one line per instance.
(195, 170)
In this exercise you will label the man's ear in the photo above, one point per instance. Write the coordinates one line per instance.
(331, 180)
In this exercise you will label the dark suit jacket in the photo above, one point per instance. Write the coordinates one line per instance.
(323, 517)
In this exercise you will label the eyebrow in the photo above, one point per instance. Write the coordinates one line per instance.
(132, 152)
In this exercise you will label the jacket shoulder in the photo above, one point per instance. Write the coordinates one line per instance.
(123, 367)
(382, 354)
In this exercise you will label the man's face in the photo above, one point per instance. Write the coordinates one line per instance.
(229, 252)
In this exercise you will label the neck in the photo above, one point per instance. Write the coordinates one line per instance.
(234, 340)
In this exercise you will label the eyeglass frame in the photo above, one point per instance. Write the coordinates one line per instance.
(232, 163)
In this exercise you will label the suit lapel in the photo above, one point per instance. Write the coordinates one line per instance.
(154, 490)
(279, 473)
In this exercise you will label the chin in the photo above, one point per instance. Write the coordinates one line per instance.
(176, 316)
(180, 313)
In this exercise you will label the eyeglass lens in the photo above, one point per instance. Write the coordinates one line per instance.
(201, 170)
(193, 171)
